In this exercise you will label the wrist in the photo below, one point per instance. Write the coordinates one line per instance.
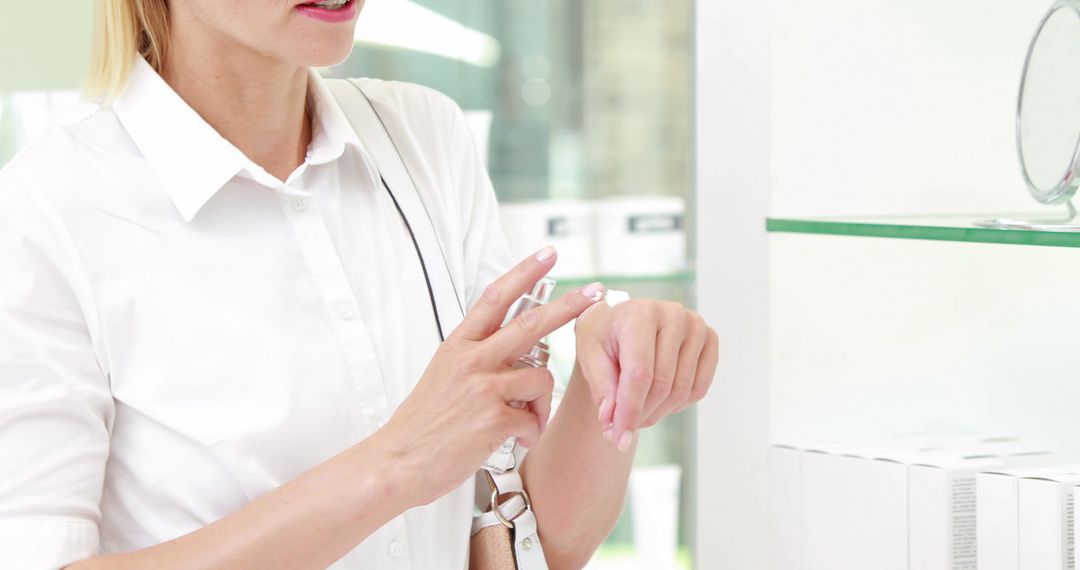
(382, 471)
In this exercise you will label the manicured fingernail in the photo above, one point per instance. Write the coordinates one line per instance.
(593, 291)
(603, 408)
(607, 434)
(624, 441)
(545, 254)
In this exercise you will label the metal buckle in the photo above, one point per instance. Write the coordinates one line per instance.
(507, 522)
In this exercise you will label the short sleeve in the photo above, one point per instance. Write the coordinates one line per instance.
(56, 409)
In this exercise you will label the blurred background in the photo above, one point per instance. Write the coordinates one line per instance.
(583, 111)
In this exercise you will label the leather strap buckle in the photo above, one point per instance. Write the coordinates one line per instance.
(508, 522)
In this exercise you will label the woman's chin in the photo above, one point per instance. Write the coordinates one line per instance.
(319, 54)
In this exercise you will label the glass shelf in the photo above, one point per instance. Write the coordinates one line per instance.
(683, 277)
(960, 228)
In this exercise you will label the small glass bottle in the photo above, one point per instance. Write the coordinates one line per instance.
(538, 355)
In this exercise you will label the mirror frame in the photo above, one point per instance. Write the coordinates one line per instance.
(1065, 188)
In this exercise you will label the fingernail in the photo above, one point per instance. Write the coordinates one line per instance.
(607, 434)
(545, 254)
(593, 291)
(603, 408)
(624, 441)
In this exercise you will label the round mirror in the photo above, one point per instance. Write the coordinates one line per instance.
(1048, 112)
(1048, 118)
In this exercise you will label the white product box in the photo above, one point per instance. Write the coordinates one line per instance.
(887, 522)
(565, 224)
(822, 528)
(853, 508)
(785, 507)
(1045, 522)
(997, 508)
(846, 506)
(995, 524)
(836, 503)
(825, 487)
(941, 512)
(643, 235)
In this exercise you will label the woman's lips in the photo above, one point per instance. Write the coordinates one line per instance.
(343, 14)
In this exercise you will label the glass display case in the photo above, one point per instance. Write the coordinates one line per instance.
(863, 299)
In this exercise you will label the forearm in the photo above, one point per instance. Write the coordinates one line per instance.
(309, 522)
(577, 480)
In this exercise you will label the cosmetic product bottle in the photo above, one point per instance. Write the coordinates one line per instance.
(539, 354)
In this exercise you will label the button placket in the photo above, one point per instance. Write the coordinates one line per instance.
(329, 276)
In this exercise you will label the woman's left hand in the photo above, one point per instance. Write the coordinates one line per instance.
(643, 360)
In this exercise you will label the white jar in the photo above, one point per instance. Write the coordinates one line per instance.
(640, 235)
(564, 224)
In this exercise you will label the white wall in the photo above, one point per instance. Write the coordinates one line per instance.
(877, 337)
(898, 106)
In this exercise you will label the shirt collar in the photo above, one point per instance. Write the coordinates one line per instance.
(331, 131)
(192, 159)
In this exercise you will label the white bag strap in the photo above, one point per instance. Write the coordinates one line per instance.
(516, 511)
(390, 165)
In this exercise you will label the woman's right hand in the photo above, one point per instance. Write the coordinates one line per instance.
(460, 410)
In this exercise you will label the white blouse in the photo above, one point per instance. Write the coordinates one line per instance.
(181, 332)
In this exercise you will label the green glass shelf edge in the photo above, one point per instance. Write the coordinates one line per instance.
(682, 277)
(932, 228)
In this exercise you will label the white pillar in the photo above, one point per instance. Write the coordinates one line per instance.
(732, 190)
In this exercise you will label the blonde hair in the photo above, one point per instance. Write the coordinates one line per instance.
(123, 28)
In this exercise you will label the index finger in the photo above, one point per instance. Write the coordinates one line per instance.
(488, 313)
(521, 333)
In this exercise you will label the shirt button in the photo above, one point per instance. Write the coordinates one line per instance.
(347, 313)
(395, 548)
(299, 204)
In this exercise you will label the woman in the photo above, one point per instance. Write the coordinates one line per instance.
(215, 344)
